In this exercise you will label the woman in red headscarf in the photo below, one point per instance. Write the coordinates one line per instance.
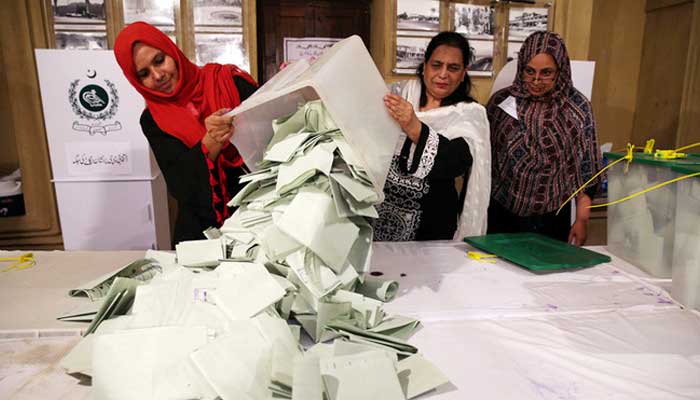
(185, 124)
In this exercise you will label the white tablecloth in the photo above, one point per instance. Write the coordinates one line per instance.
(498, 331)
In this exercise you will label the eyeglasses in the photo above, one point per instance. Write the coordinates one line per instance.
(545, 75)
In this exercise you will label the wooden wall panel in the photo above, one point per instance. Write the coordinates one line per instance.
(22, 28)
(9, 159)
(689, 122)
(572, 20)
(662, 74)
(616, 47)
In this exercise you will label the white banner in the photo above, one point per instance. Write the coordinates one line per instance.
(310, 48)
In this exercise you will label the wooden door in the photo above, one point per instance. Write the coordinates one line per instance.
(663, 70)
(278, 19)
(22, 136)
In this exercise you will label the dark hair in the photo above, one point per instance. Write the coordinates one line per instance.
(463, 91)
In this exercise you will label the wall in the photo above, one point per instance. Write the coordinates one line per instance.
(22, 28)
(8, 145)
(663, 69)
(572, 19)
(616, 37)
(689, 119)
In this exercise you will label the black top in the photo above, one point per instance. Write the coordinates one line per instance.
(421, 201)
(187, 175)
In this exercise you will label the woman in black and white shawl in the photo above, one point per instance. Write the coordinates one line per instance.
(446, 136)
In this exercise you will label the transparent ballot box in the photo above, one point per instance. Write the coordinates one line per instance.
(348, 83)
(642, 230)
(686, 247)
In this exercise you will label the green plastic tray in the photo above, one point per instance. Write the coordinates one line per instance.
(536, 252)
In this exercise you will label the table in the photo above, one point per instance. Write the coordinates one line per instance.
(496, 330)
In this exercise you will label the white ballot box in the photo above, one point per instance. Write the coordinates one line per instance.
(110, 192)
(642, 230)
(686, 246)
(346, 80)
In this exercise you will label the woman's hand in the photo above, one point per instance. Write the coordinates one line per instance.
(402, 112)
(219, 131)
(579, 231)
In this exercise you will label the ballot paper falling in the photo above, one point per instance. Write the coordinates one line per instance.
(298, 247)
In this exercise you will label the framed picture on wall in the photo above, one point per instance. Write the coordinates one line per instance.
(473, 21)
(513, 50)
(482, 62)
(77, 12)
(156, 12)
(81, 40)
(522, 21)
(220, 48)
(409, 53)
(217, 12)
(418, 15)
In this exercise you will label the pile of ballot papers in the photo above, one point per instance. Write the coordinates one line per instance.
(223, 317)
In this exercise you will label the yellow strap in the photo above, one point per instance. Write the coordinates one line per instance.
(649, 147)
(22, 262)
(668, 154)
(483, 257)
(633, 195)
(690, 146)
(628, 158)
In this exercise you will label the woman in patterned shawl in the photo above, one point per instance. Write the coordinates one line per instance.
(544, 146)
(446, 136)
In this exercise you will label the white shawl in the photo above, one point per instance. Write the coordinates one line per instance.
(468, 121)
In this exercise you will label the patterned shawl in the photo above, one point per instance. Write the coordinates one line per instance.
(468, 121)
(543, 156)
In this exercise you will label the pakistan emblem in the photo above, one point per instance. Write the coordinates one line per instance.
(96, 103)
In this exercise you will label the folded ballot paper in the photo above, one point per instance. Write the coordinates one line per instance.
(224, 319)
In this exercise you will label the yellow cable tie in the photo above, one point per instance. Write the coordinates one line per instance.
(483, 257)
(633, 195)
(24, 261)
(668, 154)
(649, 147)
(629, 154)
(629, 157)
(624, 150)
(690, 146)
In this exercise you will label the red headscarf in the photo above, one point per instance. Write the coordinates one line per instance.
(200, 91)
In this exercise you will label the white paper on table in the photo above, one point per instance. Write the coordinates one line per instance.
(369, 375)
(307, 383)
(199, 252)
(277, 244)
(371, 309)
(246, 289)
(314, 280)
(418, 375)
(244, 373)
(126, 363)
(162, 257)
(79, 359)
